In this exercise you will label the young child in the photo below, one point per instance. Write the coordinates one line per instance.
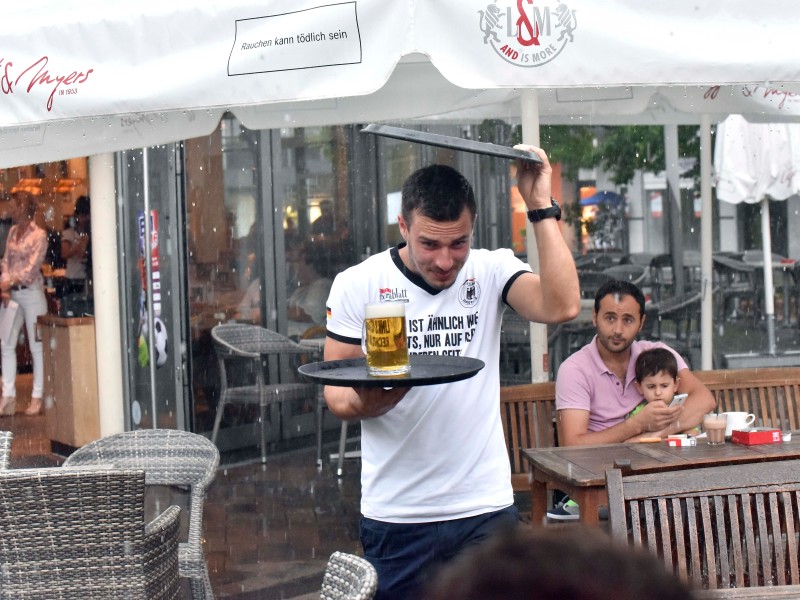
(656, 378)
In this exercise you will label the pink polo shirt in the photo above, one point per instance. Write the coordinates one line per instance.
(585, 383)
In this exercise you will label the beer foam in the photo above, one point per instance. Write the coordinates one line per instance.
(382, 310)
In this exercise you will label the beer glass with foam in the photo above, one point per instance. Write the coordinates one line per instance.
(384, 339)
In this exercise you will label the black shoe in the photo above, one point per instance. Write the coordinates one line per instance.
(566, 510)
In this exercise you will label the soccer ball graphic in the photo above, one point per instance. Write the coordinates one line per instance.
(159, 340)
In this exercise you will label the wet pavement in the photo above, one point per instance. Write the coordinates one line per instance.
(269, 529)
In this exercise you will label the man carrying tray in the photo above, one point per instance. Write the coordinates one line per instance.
(435, 472)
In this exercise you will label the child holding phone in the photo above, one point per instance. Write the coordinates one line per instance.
(657, 380)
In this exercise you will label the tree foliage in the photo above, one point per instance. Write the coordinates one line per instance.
(620, 150)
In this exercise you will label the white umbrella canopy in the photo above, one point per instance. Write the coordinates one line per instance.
(91, 77)
(755, 162)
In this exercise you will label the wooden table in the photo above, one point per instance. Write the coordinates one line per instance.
(579, 471)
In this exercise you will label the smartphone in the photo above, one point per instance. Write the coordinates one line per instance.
(678, 399)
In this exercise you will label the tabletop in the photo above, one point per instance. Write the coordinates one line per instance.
(579, 471)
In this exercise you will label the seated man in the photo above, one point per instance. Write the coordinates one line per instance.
(595, 387)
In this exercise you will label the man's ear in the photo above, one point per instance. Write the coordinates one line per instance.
(401, 222)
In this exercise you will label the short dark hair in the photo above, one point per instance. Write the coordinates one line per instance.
(547, 564)
(82, 206)
(654, 361)
(438, 192)
(621, 287)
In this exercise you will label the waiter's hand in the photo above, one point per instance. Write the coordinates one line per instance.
(378, 401)
(533, 178)
(5, 297)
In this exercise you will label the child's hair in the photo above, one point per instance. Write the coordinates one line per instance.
(655, 360)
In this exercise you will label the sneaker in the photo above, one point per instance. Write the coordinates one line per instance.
(566, 510)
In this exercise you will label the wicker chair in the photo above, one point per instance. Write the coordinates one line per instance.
(5, 448)
(168, 457)
(348, 577)
(238, 341)
(80, 533)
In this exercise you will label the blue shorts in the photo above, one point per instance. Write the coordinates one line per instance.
(407, 554)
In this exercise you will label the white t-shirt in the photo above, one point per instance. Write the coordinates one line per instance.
(76, 265)
(440, 453)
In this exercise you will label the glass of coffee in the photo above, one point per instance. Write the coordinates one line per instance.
(714, 425)
(384, 339)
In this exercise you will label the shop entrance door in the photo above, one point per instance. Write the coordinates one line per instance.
(151, 290)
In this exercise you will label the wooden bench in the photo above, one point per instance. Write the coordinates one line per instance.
(528, 414)
(731, 526)
(771, 394)
(528, 410)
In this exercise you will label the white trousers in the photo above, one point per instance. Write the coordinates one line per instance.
(32, 303)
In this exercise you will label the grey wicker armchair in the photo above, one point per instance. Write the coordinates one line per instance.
(168, 457)
(78, 533)
(5, 448)
(349, 577)
(240, 341)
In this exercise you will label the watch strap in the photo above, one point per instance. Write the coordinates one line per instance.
(551, 212)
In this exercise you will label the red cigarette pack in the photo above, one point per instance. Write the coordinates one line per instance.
(756, 435)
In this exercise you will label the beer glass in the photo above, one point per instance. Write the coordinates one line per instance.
(384, 339)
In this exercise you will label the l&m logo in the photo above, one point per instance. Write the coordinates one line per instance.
(528, 34)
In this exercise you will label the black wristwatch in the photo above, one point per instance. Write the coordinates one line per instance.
(554, 212)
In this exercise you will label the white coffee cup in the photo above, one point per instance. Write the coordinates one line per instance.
(738, 420)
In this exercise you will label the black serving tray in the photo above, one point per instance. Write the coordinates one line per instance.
(454, 143)
(425, 370)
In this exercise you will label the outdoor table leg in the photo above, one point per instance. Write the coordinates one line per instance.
(589, 500)
(538, 500)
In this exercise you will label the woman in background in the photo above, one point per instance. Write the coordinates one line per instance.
(21, 281)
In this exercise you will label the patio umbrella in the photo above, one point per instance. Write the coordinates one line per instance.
(756, 162)
(86, 78)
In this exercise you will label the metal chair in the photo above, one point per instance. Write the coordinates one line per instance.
(81, 533)
(637, 258)
(5, 448)
(348, 577)
(636, 274)
(235, 342)
(684, 312)
(313, 338)
(590, 282)
(168, 457)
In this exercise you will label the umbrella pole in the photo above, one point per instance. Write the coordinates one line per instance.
(540, 359)
(769, 298)
(706, 233)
